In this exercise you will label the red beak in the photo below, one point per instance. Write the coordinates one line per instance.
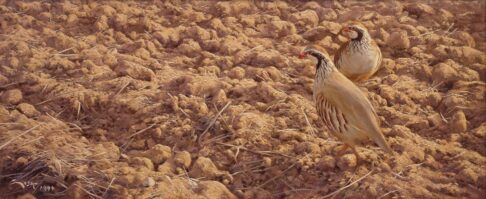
(345, 29)
(302, 55)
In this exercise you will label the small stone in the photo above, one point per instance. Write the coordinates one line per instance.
(21, 162)
(149, 182)
(158, 133)
(267, 162)
(27, 109)
(124, 156)
(183, 159)
(13, 96)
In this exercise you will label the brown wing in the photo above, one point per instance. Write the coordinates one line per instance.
(359, 112)
(339, 53)
(332, 117)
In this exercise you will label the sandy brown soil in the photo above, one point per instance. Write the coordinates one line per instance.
(209, 100)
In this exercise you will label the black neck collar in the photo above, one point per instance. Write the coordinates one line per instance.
(359, 37)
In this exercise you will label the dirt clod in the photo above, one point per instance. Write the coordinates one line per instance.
(158, 153)
(183, 159)
(459, 122)
(13, 96)
(28, 110)
(346, 161)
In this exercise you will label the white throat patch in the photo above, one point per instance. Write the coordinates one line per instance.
(352, 34)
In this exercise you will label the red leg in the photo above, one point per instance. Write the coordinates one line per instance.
(358, 157)
(343, 150)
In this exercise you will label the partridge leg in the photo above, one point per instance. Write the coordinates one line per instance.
(342, 150)
(358, 157)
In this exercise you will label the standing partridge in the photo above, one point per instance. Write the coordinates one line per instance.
(360, 57)
(343, 107)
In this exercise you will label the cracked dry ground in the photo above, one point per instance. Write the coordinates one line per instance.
(206, 99)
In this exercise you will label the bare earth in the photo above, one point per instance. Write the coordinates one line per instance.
(123, 99)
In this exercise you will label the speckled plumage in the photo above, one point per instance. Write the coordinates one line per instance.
(359, 58)
(343, 107)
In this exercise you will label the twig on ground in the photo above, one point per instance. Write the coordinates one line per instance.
(9, 123)
(387, 193)
(246, 170)
(141, 131)
(54, 98)
(216, 138)
(347, 186)
(20, 135)
(7, 85)
(88, 192)
(122, 88)
(308, 122)
(79, 109)
(266, 153)
(183, 112)
(276, 177)
(399, 174)
(63, 51)
(200, 137)
(108, 188)
(31, 141)
(75, 125)
(443, 118)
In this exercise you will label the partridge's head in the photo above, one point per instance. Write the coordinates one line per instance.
(314, 51)
(321, 56)
(354, 31)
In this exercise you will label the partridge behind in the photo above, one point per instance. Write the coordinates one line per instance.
(360, 57)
